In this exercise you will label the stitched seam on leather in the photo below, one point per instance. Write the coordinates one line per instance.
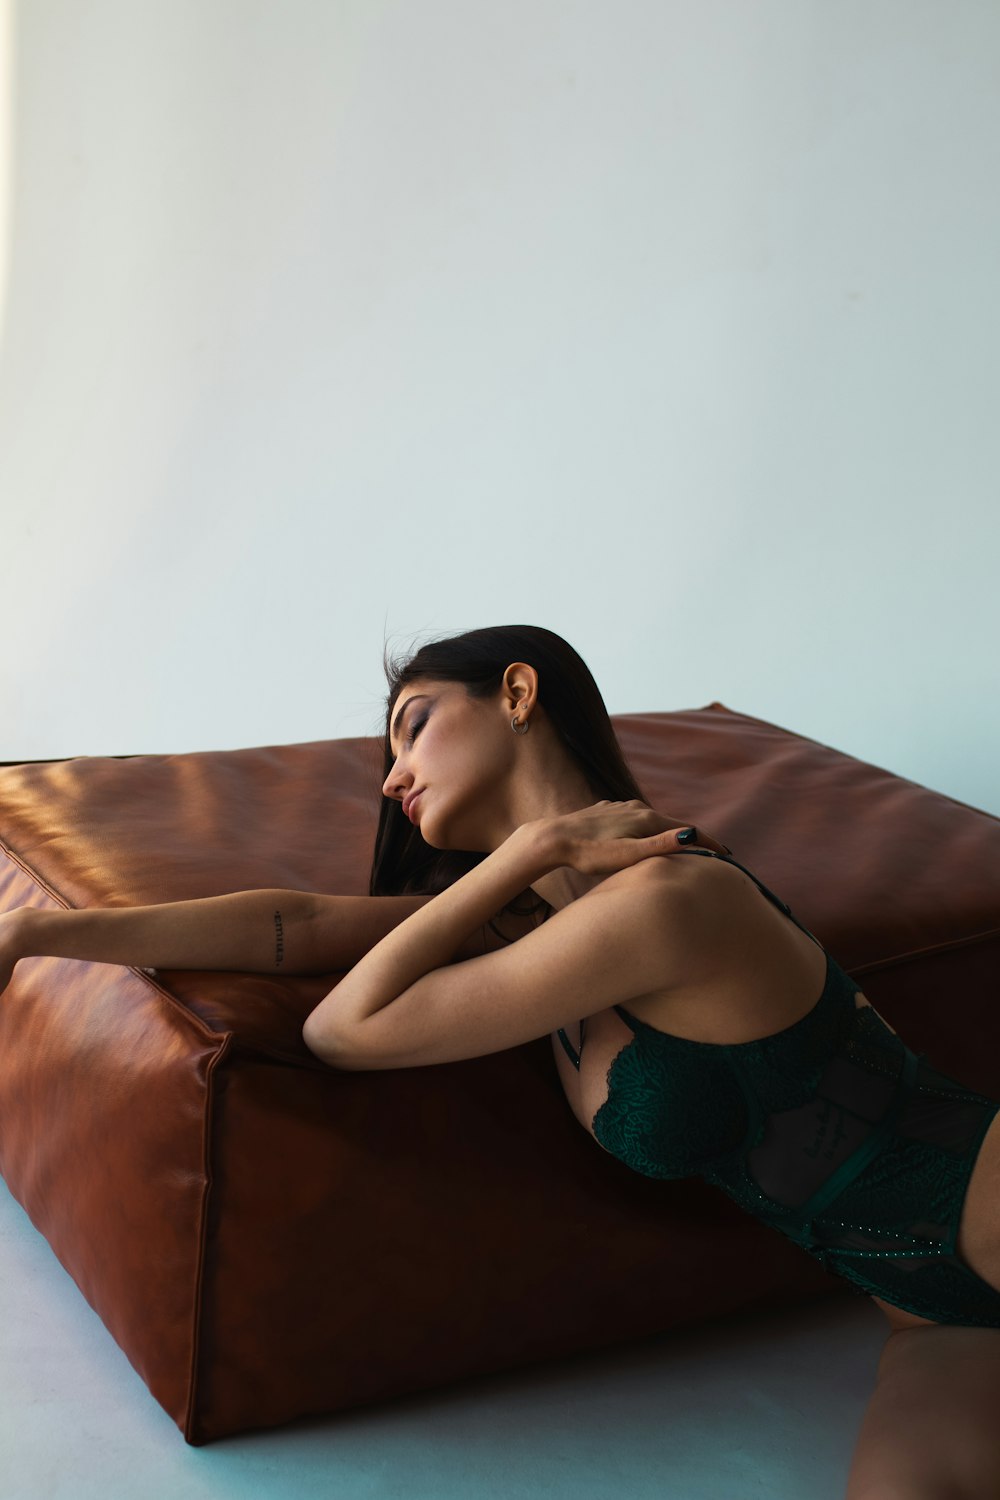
(220, 1043)
(33, 874)
(207, 1032)
(208, 1184)
(989, 934)
(282, 1055)
(252, 1049)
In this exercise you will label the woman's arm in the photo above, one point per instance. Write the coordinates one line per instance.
(431, 938)
(597, 840)
(269, 931)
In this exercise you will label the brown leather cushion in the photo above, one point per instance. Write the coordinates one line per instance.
(267, 1238)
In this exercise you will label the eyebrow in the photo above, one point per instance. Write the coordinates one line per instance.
(398, 719)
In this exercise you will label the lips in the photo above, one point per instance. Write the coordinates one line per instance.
(408, 802)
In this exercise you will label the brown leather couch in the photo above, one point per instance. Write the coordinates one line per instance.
(267, 1238)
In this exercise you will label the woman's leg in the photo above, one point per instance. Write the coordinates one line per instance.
(932, 1427)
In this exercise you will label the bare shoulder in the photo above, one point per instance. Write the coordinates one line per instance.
(675, 880)
(740, 968)
(712, 912)
(688, 901)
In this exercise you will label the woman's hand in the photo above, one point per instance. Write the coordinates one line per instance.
(11, 944)
(610, 836)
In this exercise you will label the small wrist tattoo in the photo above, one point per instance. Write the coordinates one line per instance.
(279, 937)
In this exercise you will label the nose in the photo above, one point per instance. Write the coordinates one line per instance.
(397, 783)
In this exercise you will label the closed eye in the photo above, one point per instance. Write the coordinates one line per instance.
(416, 728)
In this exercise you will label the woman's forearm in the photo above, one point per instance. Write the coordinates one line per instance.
(258, 931)
(269, 931)
(435, 935)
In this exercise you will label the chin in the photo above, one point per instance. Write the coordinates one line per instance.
(431, 839)
(439, 840)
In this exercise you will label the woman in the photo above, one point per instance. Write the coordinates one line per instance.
(520, 880)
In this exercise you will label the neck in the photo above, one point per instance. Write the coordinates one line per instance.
(550, 799)
(560, 887)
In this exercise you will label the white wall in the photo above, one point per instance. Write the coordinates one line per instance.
(671, 326)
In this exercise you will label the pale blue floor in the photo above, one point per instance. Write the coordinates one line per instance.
(763, 1406)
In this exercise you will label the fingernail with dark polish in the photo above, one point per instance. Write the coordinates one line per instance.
(687, 836)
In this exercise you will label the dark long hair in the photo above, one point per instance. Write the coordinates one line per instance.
(403, 863)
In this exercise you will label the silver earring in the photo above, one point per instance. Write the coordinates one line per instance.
(519, 729)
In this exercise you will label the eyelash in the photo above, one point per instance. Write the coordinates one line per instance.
(416, 728)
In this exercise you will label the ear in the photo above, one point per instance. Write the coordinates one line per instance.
(520, 690)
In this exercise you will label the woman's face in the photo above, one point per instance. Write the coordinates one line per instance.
(454, 759)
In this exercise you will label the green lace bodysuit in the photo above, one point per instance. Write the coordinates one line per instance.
(832, 1131)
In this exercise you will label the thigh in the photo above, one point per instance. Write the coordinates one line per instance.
(931, 1429)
